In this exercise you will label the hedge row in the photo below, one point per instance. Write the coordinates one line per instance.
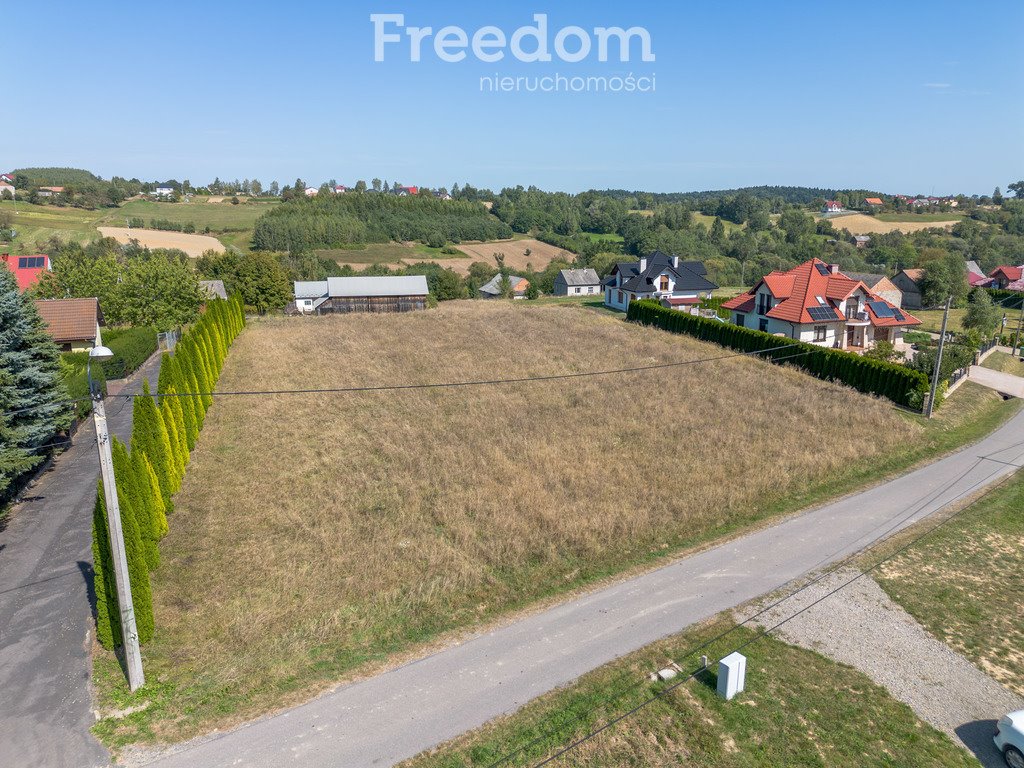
(1006, 299)
(895, 382)
(163, 434)
(131, 347)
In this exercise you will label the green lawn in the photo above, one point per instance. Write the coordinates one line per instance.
(798, 709)
(1004, 362)
(729, 290)
(707, 221)
(965, 583)
(35, 224)
(931, 319)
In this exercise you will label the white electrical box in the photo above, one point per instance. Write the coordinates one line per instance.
(732, 673)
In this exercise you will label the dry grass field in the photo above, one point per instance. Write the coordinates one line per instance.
(316, 535)
(541, 254)
(193, 245)
(861, 224)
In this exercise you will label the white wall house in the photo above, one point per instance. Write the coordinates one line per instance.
(657, 276)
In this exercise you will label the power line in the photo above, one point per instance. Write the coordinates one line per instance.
(913, 509)
(768, 630)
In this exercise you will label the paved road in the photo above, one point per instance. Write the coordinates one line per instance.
(395, 715)
(997, 380)
(45, 614)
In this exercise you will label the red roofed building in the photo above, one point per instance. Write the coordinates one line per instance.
(73, 323)
(1008, 278)
(406, 191)
(27, 269)
(832, 206)
(817, 303)
(873, 201)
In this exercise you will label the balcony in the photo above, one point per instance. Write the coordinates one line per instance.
(857, 318)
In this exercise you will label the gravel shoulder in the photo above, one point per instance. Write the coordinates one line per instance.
(863, 627)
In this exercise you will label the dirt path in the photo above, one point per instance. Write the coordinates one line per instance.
(193, 245)
(864, 628)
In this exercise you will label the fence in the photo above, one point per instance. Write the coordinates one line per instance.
(166, 340)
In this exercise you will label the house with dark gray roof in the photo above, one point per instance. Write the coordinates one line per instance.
(676, 283)
(577, 282)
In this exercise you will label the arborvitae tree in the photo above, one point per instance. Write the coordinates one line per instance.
(149, 434)
(108, 620)
(167, 371)
(191, 382)
(188, 414)
(179, 422)
(203, 371)
(140, 553)
(149, 490)
(131, 500)
(32, 407)
(175, 442)
(211, 352)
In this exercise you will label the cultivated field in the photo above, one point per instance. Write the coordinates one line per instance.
(320, 534)
(193, 245)
(219, 217)
(35, 224)
(861, 224)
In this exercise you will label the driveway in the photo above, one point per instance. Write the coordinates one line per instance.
(45, 614)
(997, 380)
(395, 715)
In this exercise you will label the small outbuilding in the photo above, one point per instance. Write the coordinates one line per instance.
(492, 288)
(387, 293)
(73, 323)
(577, 282)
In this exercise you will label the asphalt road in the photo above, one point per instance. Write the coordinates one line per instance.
(45, 613)
(392, 716)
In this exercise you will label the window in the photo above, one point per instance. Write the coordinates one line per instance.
(577, 289)
(852, 307)
(620, 297)
(764, 304)
(663, 282)
(819, 332)
(763, 326)
(741, 320)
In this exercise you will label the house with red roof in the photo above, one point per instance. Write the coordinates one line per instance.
(407, 191)
(1008, 278)
(26, 269)
(874, 202)
(832, 206)
(817, 303)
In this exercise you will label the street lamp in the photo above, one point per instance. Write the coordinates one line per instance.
(129, 631)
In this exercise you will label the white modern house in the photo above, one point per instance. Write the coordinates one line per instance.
(676, 283)
(163, 191)
(388, 293)
(817, 303)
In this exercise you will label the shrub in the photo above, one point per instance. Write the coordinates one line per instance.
(876, 377)
(131, 348)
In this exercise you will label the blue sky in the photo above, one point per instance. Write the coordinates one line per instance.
(921, 98)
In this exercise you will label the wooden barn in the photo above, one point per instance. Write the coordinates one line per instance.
(391, 293)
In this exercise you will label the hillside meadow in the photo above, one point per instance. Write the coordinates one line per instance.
(318, 535)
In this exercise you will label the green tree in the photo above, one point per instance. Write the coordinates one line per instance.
(505, 287)
(140, 550)
(150, 436)
(1017, 188)
(982, 315)
(263, 282)
(532, 291)
(717, 233)
(108, 620)
(32, 398)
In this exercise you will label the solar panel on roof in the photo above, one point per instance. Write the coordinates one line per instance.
(881, 309)
(898, 315)
(821, 313)
(822, 269)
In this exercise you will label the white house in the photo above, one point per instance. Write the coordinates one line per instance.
(674, 282)
(163, 191)
(311, 191)
(8, 188)
(817, 303)
(832, 206)
(577, 282)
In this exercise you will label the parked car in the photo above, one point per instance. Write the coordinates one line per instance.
(1009, 738)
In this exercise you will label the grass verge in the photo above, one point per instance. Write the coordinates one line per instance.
(798, 709)
(965, 583)
(1005, 363)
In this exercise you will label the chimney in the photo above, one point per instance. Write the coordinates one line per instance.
(643, 263)
(833, 269)
(675, 261)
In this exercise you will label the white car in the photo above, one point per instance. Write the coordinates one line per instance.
(1009, 738)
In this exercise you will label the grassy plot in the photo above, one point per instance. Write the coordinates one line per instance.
(1004, 362)
(36, 224)
(219, 217)
(386, 253)
(943, 217)
(965, 583)
(931, 319)
(798, 709)
(362, 526)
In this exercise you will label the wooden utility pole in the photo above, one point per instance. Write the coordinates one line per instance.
(129, 631)
(938, 359)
